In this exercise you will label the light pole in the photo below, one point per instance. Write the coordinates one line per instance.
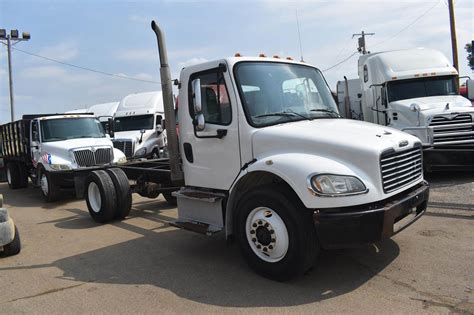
(12, 39)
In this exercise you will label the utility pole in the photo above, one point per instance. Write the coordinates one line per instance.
(12, 39)
(454, 44)
(362, 48)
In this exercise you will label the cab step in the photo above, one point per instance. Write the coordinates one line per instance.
(198, 227)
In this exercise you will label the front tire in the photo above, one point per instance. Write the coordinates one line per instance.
(170, 199)
(49, 189)
(101, 196)
(276, 233)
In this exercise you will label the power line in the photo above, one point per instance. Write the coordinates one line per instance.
(409, 25)
(340, 62)
(84, 68)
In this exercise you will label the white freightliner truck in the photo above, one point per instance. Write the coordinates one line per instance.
(414, 90)
(138, 130)
(264, 156)
(53, 150)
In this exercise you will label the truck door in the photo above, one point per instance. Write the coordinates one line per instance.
(35, 142)
(211, 157)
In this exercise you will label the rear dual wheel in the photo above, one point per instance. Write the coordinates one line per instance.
(108, 195)
(17, 176)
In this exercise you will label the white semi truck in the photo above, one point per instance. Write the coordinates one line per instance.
(416, 91)
(264, 156)
(138, 130)
(55, 150)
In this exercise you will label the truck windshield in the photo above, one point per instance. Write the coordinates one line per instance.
(421, 87)
(129, 123)
(274, 93)
(70, 128)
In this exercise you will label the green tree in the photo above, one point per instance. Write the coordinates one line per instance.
(470, 58)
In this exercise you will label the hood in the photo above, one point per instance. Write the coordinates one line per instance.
(349, 141)
(66, 145)
(436, 103)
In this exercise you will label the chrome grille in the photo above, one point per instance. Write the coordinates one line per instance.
(458, 130)
(126, 146)
(400, 168)
(88, 157)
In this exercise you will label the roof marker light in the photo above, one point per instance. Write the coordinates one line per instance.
(262, 55)
(417, 75)
(394, 78)
(237, 55)
(289, 58)
(276, 56)
(433, 73)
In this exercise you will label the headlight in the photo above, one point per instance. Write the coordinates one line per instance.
(122, 160)
(60, 167)
(141, 152)
(335, 185)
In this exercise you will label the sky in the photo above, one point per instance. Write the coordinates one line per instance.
(115, 37)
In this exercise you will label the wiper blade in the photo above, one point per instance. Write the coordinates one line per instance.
(280, 114)
(325, 110)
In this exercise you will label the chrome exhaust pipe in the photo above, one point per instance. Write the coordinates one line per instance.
(167, 92)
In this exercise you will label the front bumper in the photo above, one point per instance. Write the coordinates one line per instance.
(449, 157)
(351, 226)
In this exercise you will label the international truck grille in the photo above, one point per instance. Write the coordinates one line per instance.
(458, 130)
(126, 146)
(89, 157)
(400, 168)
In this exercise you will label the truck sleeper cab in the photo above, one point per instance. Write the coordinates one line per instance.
(415, 91)
(137, 126)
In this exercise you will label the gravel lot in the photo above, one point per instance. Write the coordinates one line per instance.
(142, 265)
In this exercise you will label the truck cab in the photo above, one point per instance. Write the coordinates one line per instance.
(138, 131)
(415, 91)
(104, 112)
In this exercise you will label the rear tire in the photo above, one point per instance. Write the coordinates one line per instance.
(170, 199)
(23, 176)
(276, 233)
(13, 175)
(123, 192)
(49, 189)
(14, 247)
(101, 197)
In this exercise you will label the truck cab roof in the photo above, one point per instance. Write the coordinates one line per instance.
(140, 104)
(404, 64)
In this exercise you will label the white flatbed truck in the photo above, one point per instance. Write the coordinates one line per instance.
(264, 156)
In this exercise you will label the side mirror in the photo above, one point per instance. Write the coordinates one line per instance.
(415, 107)
(110, 127)
(470, 89)
(197, 96)
(199, 122)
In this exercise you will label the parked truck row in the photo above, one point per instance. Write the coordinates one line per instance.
(264, 156)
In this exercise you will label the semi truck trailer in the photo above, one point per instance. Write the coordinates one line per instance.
(416, 91)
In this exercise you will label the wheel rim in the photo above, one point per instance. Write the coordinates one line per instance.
(9, 176)
(44, 184)
(93, 194)
(267, 234)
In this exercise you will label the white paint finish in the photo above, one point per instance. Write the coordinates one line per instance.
(216, 161)
(7, 230)
(93, 194)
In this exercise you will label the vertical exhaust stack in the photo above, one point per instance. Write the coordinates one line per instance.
(167, 89)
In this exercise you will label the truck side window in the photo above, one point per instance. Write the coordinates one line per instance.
(214, 98)
(366, 74)
(34, 131)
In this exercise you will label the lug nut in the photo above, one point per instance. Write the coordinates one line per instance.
(272, 231)
(270, 247)
(264, 249)
(266, 224)
(254, 239)
(254, 225)
(258, 246)
(252, 231)
(273, 240)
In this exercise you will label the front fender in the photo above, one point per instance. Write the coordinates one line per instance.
(118, 155)
(294, 169)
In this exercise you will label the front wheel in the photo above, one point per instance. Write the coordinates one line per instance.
(14, 247)
(49, 189)
(276, 233)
